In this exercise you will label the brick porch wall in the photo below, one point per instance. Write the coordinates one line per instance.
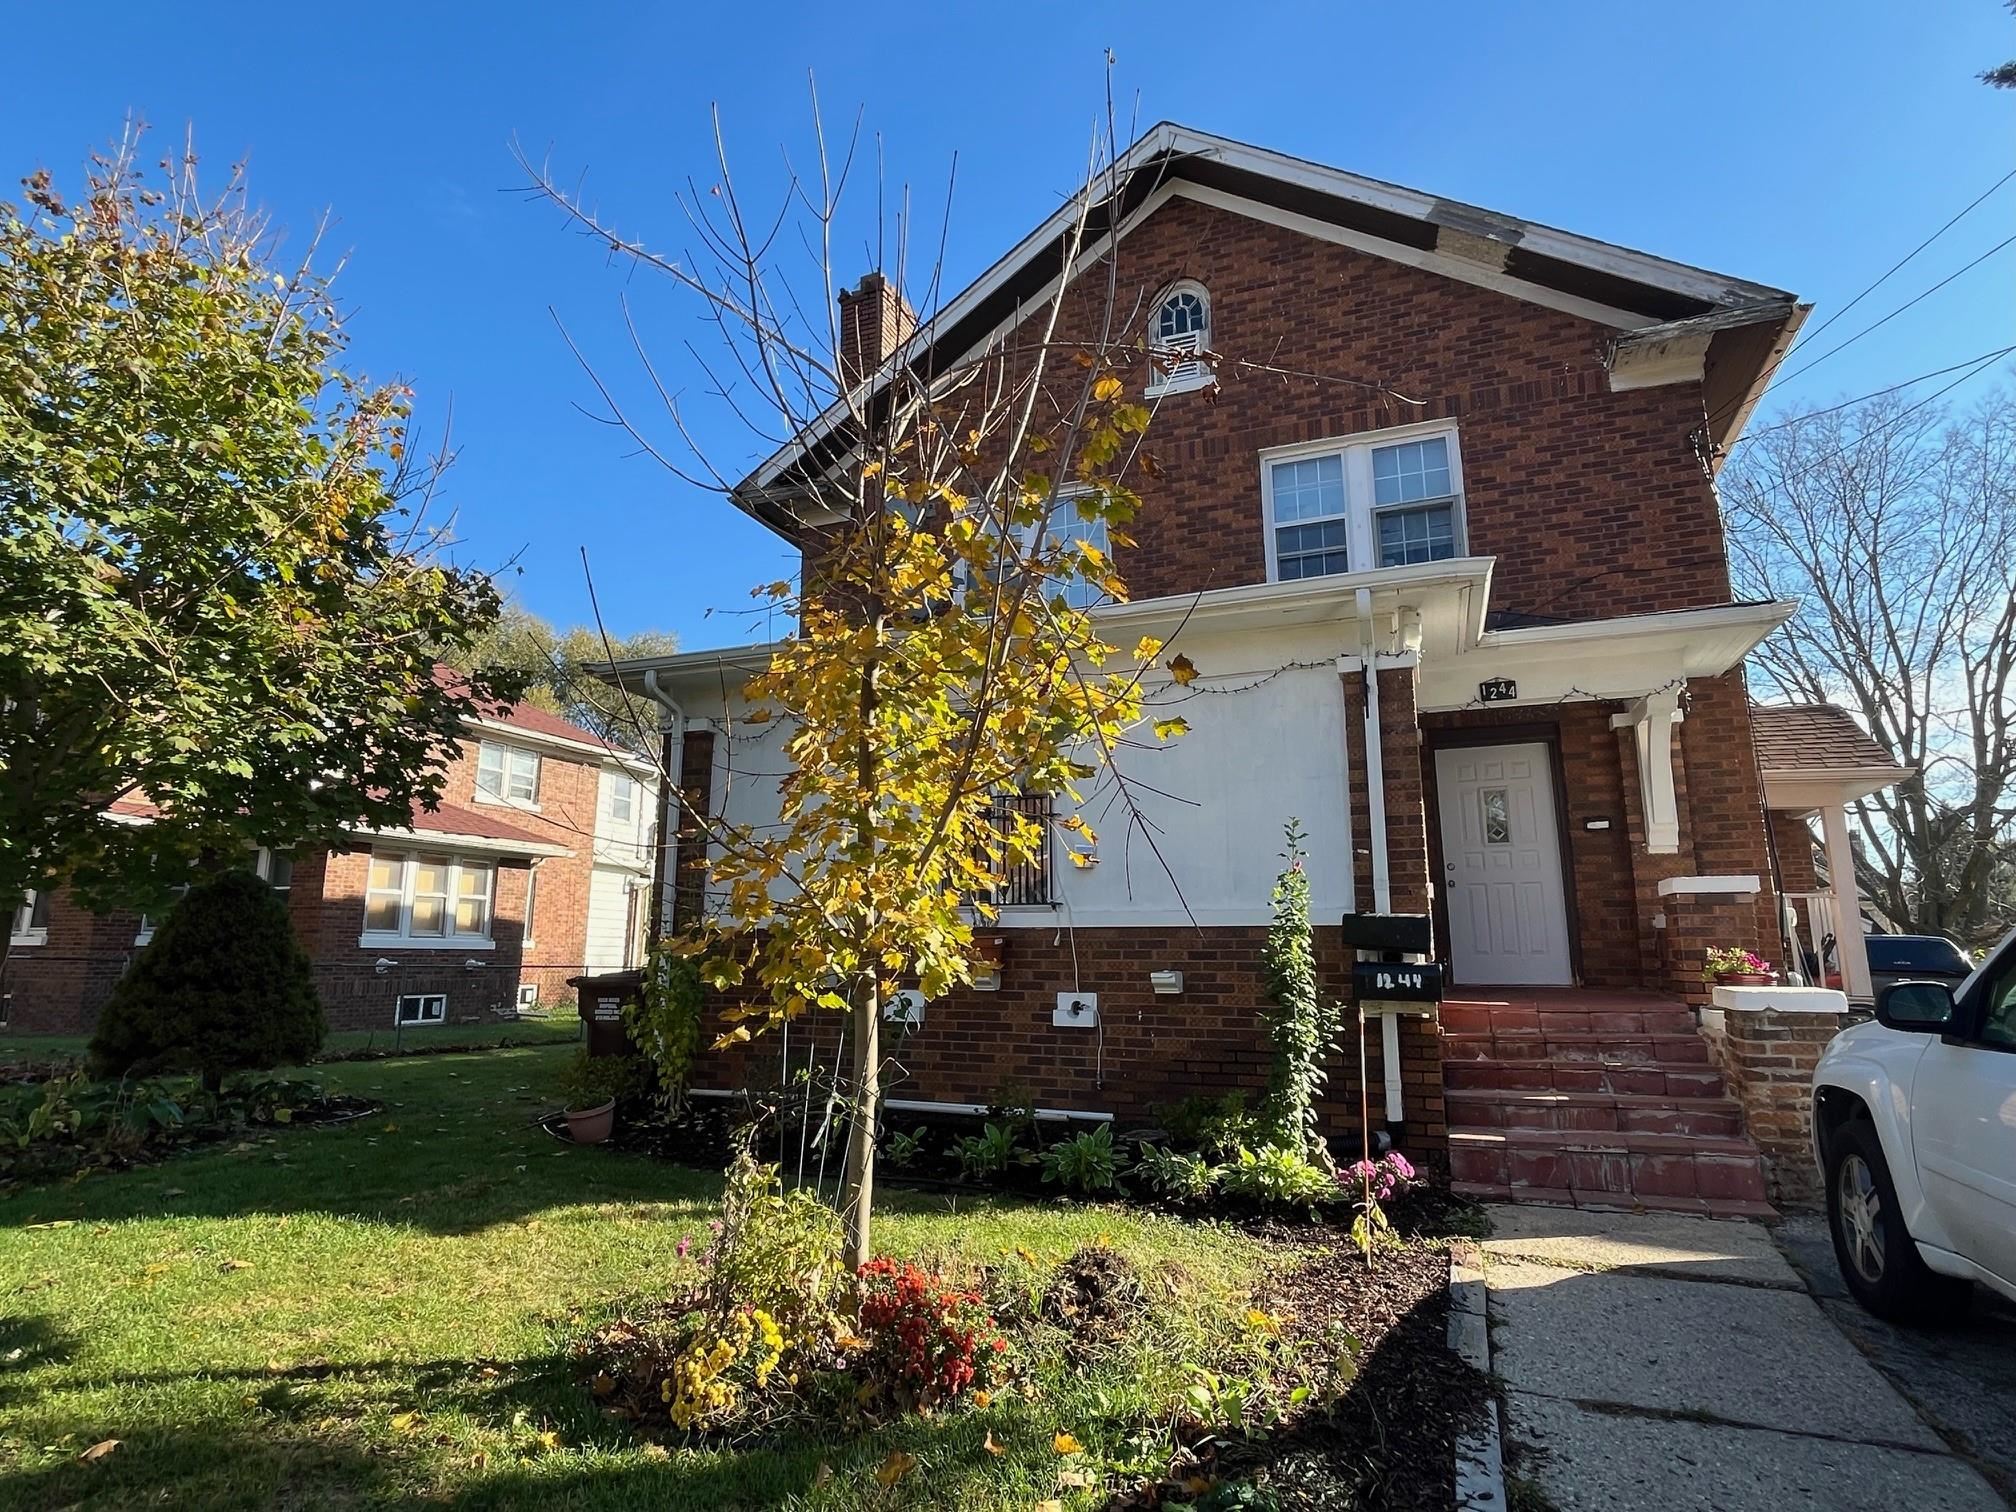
(1767, 1058)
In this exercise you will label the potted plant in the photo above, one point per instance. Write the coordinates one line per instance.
(1737, 968)
(590, 1086)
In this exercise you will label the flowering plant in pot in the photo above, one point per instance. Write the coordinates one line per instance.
(590, 1086)
(1737, 968)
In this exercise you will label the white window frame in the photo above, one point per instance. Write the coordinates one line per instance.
(421, 1018)
(1361, 515)
(403, 938)
(21, 926)
(508, 755)
(623, 785)
(528, 995)
(1184, 376)
(262, 865)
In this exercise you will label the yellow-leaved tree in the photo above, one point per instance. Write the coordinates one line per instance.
(956, 521)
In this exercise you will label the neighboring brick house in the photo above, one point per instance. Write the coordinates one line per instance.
(1526, 551)
(534, 868)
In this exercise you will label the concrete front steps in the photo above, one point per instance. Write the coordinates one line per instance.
(1593, 1099)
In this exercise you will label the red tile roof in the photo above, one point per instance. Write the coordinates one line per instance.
(135, 808)
(453, 819)
(526, 716)
(1808, 737)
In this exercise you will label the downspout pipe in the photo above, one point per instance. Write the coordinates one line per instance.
(672, 750)
(1382, 877)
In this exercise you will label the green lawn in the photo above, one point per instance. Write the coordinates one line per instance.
(380, 1315)
(561, 1028)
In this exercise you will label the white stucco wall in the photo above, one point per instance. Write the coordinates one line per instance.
(1257, 753)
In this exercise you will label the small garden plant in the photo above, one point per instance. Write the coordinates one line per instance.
(1085, 1162)
(1728, 961)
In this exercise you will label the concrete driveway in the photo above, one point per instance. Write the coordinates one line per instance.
(1672, 1363)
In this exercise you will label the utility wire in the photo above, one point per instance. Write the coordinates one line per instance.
(1806, 367)
(1809, 336)
(1800, 419)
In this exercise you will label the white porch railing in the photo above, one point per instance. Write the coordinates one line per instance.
(1811, 920)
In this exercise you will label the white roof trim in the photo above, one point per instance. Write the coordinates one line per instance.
(520, 735)
(488, 845)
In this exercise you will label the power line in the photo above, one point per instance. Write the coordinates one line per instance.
(1888, 425)
(1769, 375)
(1807, 367)
(1800, 419)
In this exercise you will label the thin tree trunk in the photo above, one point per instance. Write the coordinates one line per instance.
(857, 1185)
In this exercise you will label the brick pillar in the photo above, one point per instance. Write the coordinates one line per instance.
(1695, 923)
(1767, 1057)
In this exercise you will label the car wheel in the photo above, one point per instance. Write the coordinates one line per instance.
(1877, 1258)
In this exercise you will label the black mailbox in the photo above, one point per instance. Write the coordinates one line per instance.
(1409, 934)
(1397, 981)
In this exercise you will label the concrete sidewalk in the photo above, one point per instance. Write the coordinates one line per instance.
(1672, 1363)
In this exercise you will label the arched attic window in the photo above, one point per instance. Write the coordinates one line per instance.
(1182, 323)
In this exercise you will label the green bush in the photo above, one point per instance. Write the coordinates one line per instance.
(1085, 1162)
(1217, 1126)
(588, 1081)
(224, 986)
(1279, 1177)
(1179, 1177)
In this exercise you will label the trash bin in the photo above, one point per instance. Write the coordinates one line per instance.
(602, 999)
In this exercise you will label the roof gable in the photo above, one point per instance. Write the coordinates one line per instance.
(1640, 295)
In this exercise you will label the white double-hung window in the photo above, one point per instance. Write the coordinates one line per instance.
(30, 923)
(413, 898)
(507, 773)
(1387, 499)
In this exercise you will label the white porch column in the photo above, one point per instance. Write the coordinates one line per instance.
(1651, 720)
(1849, 947)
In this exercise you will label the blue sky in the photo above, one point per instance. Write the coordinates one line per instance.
(1804, 145)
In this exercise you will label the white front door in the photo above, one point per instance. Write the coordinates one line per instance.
(1501, 866)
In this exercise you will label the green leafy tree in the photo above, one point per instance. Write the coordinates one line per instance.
(217, 589)
(554, 665)
(1300, 1024)
(223, 986)
(945, 651)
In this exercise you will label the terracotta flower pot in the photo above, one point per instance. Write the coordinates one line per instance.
(1746, 979)
(592, 1125)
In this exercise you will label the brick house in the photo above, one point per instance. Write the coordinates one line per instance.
(1479, 639)
(534, 868)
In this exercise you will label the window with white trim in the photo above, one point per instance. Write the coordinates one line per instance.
(1067, 525)
(30, 925)
(507, 773)
(413, 897)
(1333, 506)
(1181, 323)
(623, 798)
(275, 868)
(422, 1008)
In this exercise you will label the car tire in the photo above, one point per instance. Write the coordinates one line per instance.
(1878, 1260)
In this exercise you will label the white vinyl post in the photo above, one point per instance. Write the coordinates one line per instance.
(1849, 947)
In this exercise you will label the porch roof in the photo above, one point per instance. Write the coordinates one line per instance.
(1815, 754)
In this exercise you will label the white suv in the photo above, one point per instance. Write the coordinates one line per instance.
(1914, 1123)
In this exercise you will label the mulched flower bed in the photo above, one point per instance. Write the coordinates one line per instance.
(51, 1160)
(1390, 1442)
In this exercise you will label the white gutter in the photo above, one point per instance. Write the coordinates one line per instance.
(969, 1110)
(1382, 876)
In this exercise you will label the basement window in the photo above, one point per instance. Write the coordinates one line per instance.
(422, 1008)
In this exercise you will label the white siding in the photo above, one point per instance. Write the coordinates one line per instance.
(1255, 755)
(608, 918)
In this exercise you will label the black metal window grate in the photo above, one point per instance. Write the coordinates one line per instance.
(1025, 884)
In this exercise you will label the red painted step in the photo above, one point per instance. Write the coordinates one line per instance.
(1595, 1100)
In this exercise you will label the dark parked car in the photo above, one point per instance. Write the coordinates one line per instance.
(1915, 958)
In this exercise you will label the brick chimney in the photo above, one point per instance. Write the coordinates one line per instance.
(874, 320)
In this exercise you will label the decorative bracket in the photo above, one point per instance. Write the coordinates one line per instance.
(1650, 720)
